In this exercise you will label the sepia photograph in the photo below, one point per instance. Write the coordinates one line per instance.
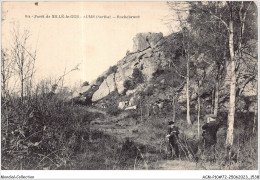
(144, 85)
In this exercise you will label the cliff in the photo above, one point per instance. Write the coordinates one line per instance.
(157, 69)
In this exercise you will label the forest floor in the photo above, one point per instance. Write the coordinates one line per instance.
(122, 127)
(124, 140)
(148, 133)
(177, 165)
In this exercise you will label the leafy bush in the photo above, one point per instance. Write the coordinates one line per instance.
(149, 91)
(158, 72)
(100, 79)
(112, 70)
(34, 131)
(86, 83)
(138, 76)
(113, 110)
(128, 84)
(127, 53)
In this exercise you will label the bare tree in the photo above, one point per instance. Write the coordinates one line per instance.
(65, 73)
(6, 72)
(226, 23)
(234, 58)
(181, 10)
(232, 98)
(229, 22)
(24, 60)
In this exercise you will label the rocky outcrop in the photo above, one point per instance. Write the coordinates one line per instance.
(122, 104)
(147, 58)
(108, 86)
(143, 41)
(80, 91)
(134, 100)
(153, 56)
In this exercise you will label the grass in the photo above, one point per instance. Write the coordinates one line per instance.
(59, 138)
(244, 153)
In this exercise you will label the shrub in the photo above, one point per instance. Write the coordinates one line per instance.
(137, 75)
(127, 84)
(149, 91)
(86, 83)
(158, 72)
(112, 70)
(133, 114)
(100, 79)
(130, 84)
(113, 110)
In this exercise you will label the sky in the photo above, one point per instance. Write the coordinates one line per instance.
(94, 43)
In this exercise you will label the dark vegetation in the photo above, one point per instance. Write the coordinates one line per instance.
(46, 134)
(137, 78)
(86, 83)
(100, 80)
(111, 70)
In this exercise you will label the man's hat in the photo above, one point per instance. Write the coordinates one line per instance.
(170, 122)
(210, 117)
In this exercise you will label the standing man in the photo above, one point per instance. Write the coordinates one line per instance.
(173, 132)
(209, 136)
(209, 131)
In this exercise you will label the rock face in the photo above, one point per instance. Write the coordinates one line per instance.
(143, 41)
(147, 58)
(80, 91)
(108, 86)
(122, 104)
(151, 58)
(134, 100)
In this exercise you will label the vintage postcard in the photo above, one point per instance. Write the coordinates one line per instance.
(120, 85)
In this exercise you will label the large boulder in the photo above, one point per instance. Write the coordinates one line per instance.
(129, 92)
(80, 91)
(120, 82)
(124, 71)
(108, 86)
(149, 66)
(252, 107)
(143, 41)
(122, 104)
(147, 61)
(134, 100)
(84, 89)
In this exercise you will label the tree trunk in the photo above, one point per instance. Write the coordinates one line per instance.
(255, 113)
(3, 92)
(22, 84)
(90, 132)
(141, 108)
(212, 101)
(231, 114)
(216, 98)
(187, 91)
(173, 106)
(198, 110)
(255, 117)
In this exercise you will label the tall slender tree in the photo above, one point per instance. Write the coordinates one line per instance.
(227, 22)
(181, 10)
